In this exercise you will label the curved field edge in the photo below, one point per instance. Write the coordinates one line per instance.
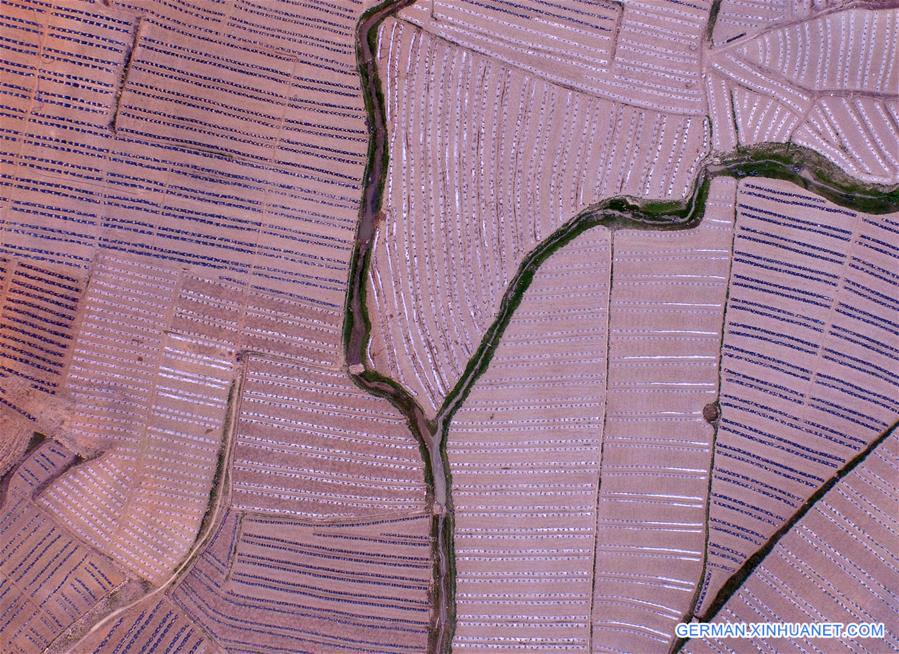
(791, 163)
(71, 640)
(788, 162)
(736, 580)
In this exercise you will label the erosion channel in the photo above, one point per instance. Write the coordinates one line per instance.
(788, 162)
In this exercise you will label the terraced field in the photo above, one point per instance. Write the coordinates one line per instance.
(666, 307)
(524, 454)
(836, 563)
(453, 238)
(808, 350)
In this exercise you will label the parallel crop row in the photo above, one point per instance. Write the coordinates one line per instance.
(808, 360)
(667, 304)
(464, 201)
(835, 565)
(154, 404)
(48, 578)
(524, 453)
(778, 87)
(311, 444)
(227, 141)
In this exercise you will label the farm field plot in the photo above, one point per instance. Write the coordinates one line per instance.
(600, 48)
(25, 412)
(330, 586)
(309, 443)
(681, 503)
(244, 162)
(38, 318)
(38, 311)
(613, 351)
(666, 307)
(121, 163)
(162, 627)
(107, 151)
(776, 87)
(45, 462)
(220, 313)
(808, 360)
(837, 563)
(48, 578)
(269, 583)
(524, 455)
(464, 202)
(739, 18)
(148, 409)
